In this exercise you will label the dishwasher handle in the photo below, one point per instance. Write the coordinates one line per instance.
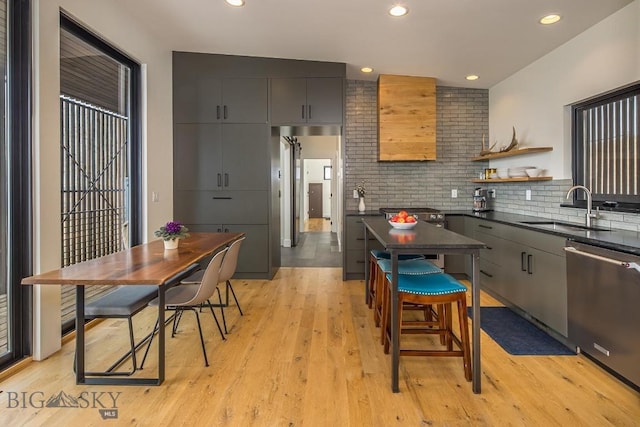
(624, 264)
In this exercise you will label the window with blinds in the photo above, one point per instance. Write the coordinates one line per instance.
(98, 151)
(606, 146)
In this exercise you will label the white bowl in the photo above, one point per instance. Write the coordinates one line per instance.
(533, 172)
(503, 173)
(403, 225)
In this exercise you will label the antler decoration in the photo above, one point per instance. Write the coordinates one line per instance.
(484, 152)
(514, 142)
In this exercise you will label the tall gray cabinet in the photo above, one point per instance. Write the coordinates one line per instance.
(226, 144)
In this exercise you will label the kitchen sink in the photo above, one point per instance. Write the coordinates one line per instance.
(563, 226)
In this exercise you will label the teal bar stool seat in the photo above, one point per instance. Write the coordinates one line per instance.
(374, 256)
(431, 289)
(409, 267)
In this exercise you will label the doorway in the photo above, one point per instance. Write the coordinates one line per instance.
(315, 200)
(310, 211)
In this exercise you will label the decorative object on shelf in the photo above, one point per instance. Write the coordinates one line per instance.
(534, 172)
(360, 188)
(171, 233)
(484, 152)
(513, 145)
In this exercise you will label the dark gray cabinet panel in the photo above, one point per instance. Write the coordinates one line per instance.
(196, 98)
(455, 264)
(226, 207)
(324, 100)
(310, 100)
(197, 157)
(221, 157)
(252, 257)
(355, 260)
(201, 98)
(246, 157)
(244, 101)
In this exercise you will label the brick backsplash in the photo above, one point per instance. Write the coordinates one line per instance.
(462, 119)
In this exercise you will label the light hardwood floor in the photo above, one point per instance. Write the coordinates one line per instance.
(307, 353)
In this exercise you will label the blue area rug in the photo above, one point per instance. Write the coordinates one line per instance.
(518, 336)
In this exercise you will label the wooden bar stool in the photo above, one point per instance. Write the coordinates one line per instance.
(374, 256)
(416, 266)
(434, 289)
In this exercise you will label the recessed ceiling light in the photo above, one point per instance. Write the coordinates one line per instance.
(549, 19)
(472, 77)
(366, 69)
(236, 3)
(398, 10)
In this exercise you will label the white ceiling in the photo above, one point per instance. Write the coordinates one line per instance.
(445, 39)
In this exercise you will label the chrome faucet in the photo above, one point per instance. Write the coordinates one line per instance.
(589, 215)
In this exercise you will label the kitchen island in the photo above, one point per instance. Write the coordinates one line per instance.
(425, 239)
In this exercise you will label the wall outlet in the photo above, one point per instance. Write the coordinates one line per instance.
(527, 195)
(454, 194)
(355, 194)
(492, 193)
(155, 196)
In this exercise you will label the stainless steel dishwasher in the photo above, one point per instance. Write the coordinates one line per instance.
(603, 289)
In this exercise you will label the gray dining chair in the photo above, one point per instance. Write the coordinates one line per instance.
(227, 270)
(192, 297)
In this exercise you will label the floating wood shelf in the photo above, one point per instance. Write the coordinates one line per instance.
(519, 152)
(519, 179)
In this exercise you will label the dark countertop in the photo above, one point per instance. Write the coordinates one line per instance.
(620, 240)
(372, 212)
(424, 236)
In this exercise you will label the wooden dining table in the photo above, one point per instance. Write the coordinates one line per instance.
(427, 239)
(145, 264)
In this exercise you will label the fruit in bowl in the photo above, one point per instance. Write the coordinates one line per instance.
(403, 221)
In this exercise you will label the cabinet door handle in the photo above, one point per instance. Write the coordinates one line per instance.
(523, 256)
(303, 111)
(219, 180)
(489, 248)
(486, 274)
(530, 264)
(218, 112)
(360, 261)
(225, 112)
(309, 112)
(226, 179)
(221, 198)
(485, 226)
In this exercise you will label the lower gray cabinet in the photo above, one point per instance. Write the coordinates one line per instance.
(355, 260)
(525, 268)
(253, 260)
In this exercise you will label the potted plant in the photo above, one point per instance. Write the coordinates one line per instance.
(171, 233)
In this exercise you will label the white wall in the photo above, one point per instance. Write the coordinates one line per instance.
(106, 19)
(535, 99)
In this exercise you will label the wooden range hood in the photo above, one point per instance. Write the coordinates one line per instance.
(406, 118)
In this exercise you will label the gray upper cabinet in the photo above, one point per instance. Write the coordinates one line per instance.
(306, 100)
(201, 98)
(221, 157)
